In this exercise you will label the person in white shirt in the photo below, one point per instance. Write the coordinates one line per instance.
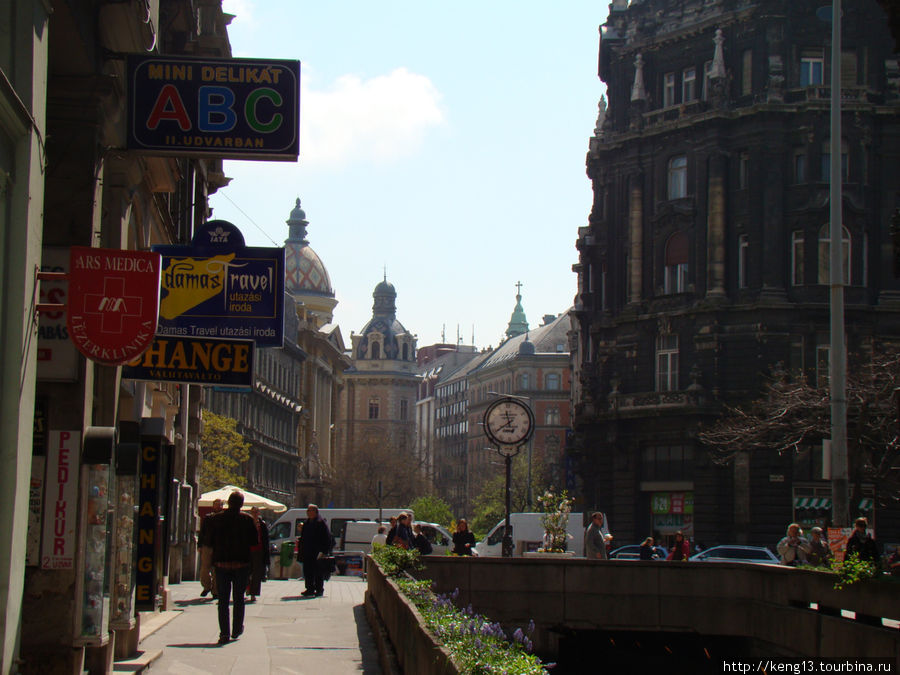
(380, 537)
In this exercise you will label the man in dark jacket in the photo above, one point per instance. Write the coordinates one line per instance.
(315, 544)
(231, 534)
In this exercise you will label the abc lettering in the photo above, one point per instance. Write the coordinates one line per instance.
(216, 109)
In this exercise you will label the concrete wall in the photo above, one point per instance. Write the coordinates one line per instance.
(767, 603)
(416, 650)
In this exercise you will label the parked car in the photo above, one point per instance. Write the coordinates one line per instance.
(737, 553)
(633, 552)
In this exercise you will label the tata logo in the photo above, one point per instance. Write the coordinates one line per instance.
(113, 302)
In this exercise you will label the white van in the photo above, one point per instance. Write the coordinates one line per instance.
(288, 524)
(528, 534)
(358, 536)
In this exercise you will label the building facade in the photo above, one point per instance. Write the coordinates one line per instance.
(704, 263)
(376, 420)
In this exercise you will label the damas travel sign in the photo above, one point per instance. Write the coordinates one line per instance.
(219, 288)
(113, 302)
(237, 108)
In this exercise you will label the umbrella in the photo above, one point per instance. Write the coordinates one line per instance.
(250, 499)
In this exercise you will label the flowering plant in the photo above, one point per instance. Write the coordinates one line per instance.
(555, 520)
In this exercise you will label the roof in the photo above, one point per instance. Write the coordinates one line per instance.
(545, 339)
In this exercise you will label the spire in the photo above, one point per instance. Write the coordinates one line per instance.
(637, 90)
(601, 116)
(518, 324)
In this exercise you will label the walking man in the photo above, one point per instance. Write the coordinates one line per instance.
(315, 544)
(232, 533)
(595, 540)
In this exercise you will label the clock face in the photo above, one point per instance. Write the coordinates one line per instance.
(508, 422)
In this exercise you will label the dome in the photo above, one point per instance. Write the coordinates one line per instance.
(304, 272)
(384, 329)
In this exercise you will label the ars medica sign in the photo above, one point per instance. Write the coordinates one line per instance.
(236, 108)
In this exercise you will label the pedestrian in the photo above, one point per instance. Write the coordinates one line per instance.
(232, 533)
(819, 550)
(403, 535)
(316, 543)
(861, 542)
(380, 537)
(681, 548)
(793, 547)
(463, 539)
(648, 551)
(207, 571)
(595, 540)
(259, 555)
(392, 531)
(420, 541)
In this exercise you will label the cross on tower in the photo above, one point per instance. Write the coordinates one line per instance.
(518, 288)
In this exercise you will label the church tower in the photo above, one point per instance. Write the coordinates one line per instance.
(377, 414)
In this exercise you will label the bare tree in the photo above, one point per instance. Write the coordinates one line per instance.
(793, 414)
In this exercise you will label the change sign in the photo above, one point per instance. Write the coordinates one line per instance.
(219, 288)
(237, 108)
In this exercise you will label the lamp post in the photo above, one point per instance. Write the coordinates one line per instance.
(508, 423)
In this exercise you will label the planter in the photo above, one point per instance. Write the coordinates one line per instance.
(549, 554)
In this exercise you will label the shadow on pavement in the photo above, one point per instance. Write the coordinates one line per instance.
(293, 598)
(196, 601)
(195, 645)
(368, 649)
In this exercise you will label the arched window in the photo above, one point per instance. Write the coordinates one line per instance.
(676, 269)
(524, 381)
(824, 276)
(376, 350)
(678, 177)
(551, 416)
(551, 381)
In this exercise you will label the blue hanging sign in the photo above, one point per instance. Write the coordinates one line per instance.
(219, 288)
(235, 108)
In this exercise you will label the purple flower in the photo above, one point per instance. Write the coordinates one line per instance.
(518, 636)
(531, 626)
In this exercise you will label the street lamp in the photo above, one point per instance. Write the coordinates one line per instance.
(508, 423)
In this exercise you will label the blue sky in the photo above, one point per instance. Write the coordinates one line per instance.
(443, 141)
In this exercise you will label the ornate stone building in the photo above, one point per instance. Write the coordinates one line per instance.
(376, 421)
(704, 263)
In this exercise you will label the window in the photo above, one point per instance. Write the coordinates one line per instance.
(666, 363)
(826, 162)
(376, 350)
(374, 405)
(404, 409)
(551, 381)
(551, 417)
(524, 381)
(812, 69)
(747, 72)
(849, 70)
(405, 352)
(688, 85)
(707, 69)
(743, 249)
(676, 264)
(797, 258)
(824, 275)
(743, 170)
(800, 166)
(668, 89)
(678, 177)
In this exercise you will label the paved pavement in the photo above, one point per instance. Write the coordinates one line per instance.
(284, 633)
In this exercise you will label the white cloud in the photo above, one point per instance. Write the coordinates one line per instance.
(379, 119)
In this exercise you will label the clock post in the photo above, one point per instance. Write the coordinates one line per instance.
(508, 424)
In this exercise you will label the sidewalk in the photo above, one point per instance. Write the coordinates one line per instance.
(284, 633)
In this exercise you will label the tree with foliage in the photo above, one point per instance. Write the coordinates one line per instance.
(432, 509)
(793, 415)
(489, 506)
(224, 453)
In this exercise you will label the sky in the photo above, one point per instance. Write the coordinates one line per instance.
(442, 144)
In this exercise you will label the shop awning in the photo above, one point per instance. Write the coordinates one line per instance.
(812, 502)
